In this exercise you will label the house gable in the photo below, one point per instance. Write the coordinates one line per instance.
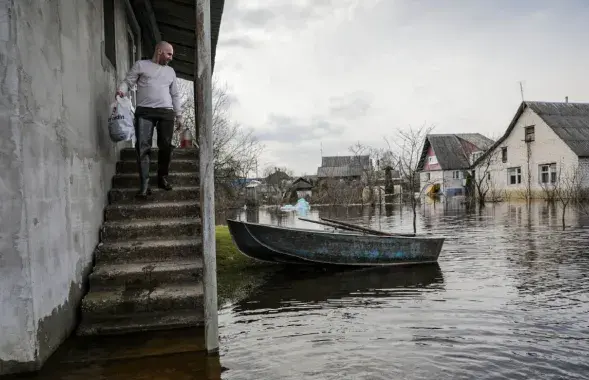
(431, 162)
(451, 151)
(545, 147)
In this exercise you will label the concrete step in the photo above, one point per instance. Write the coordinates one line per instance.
(175, 166)
(145, 251)
(128, 180)
(141, 322)
(128, 212)
(122, 301)
(128, 154)
(145, 275)
(152, 229)
(179, 193)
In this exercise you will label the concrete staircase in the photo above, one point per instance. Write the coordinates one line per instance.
(148, 265)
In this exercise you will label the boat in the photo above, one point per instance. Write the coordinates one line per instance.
(316, 247)
(253, 249)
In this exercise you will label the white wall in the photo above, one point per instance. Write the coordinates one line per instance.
(546, 148)
(56, 164)
(443, 177)
(435, 176)
(452, 183)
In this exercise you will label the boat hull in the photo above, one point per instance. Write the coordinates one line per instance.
(253, 249)
(342, 249)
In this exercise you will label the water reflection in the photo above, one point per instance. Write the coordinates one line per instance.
(292, 288)
(509, 299)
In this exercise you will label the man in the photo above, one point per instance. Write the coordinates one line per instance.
(158, 104)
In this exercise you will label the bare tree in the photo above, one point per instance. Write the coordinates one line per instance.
(406, 146)
(483, 181)
(369, 173)
(235, 149)
(568, 188)
(278, 183)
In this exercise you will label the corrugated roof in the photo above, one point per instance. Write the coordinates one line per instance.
(343, 166)
(339, 171)
(449, 149)
(570, 122)
(333, 161)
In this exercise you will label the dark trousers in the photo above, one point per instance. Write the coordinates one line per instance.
(146, 119)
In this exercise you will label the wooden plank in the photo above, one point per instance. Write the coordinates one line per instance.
(204, 116)
(177, 36)
(189, 3)
(146, 18)
(174, 14)
(183, 67)
(184, 53)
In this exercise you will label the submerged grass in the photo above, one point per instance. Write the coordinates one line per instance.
(228, 256)
(237, 275)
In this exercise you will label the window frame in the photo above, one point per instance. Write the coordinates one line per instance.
(551, 173)
(530, 133)
(517, 174)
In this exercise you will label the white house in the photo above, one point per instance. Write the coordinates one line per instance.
(544, 144)
(446, 158)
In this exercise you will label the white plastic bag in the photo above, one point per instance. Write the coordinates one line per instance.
(121, 120)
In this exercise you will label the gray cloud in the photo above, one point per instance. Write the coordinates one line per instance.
(352, 106)
(279, 14)
(239, 42)
(289, 130)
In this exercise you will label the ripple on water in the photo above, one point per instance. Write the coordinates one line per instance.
(508, 300)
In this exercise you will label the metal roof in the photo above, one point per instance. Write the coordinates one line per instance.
(570, 122)
(449, 149)
(174, 21)
(339, 171)
(343, 166)
(332, 161)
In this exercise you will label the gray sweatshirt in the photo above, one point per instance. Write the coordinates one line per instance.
(157, 86)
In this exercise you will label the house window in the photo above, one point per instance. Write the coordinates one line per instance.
(530, 134)
(457, 174)
(514, 176)
(432, 160)
(426, 176)
(504, 154)
(547, 173)
(108, 13)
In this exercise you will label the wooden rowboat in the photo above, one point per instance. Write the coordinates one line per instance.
(315, 247)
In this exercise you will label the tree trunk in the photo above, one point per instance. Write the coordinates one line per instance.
(414, 204)
(482, 200)
(564, 207)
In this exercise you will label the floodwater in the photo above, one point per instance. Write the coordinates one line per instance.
(509, 299)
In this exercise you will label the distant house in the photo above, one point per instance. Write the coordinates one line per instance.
(547, 140)
(277, 177)
(344, 167)
(446, 159)
(303, 187)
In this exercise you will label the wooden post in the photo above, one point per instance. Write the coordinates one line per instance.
(204, 131)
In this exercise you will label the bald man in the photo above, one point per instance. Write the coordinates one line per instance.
(158, 106)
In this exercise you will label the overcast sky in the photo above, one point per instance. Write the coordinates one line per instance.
(332, 72)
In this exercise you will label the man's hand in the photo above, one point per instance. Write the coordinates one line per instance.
(178, 123)
(120, 93)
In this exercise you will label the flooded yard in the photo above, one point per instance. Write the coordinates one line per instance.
(508, 300)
